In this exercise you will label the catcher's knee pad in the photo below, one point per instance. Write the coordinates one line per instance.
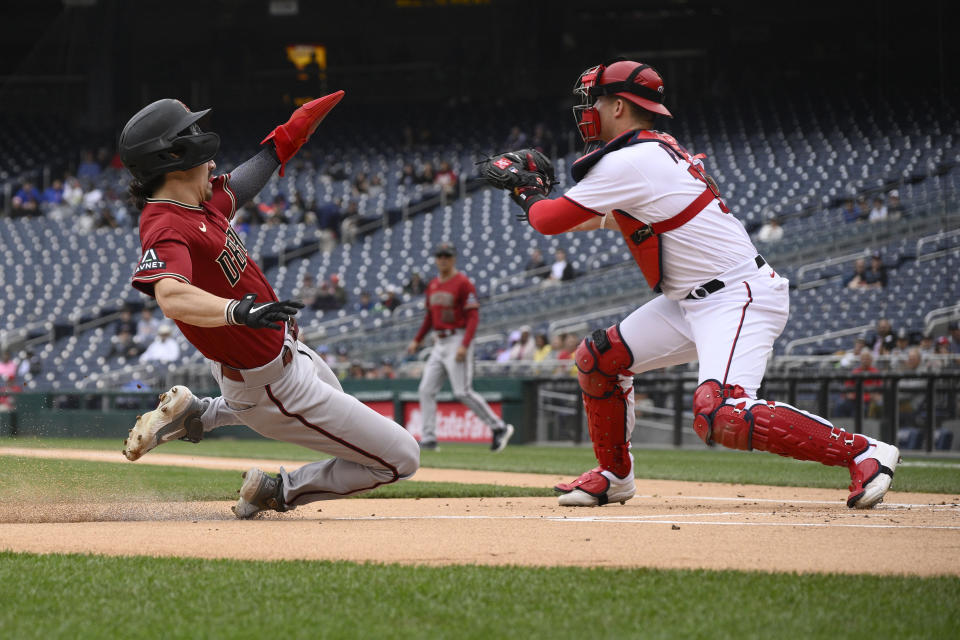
(601, 359)
(715, 421)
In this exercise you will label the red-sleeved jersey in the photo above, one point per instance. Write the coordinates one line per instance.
(198, 246)
(448, 304)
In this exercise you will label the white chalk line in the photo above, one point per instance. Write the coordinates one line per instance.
(648, 520)
(789, 501)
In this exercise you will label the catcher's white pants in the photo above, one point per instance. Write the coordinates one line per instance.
(731, 332)
(303, 403)
(442, 362)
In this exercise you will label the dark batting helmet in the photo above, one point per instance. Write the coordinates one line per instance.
(634, 81)
(163, 137)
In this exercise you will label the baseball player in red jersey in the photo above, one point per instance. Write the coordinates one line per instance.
(453, 314)
(722, 304)
(197, 268)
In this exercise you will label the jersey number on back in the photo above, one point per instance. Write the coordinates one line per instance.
(233, 258)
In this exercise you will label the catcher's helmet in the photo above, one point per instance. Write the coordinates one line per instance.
(634, 81)
(164, 136)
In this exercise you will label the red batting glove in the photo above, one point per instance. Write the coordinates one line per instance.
(293, 134)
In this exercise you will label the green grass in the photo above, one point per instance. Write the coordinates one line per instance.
(706, 465)
(70, 596)
(74, 480)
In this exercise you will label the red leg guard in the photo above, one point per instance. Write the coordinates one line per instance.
(294, 133)
(773, 427)
(601, 358)
(715, 422)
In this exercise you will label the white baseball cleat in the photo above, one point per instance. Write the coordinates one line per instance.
(176, 416)
(871, 477)
(259, 492)
(596, 488)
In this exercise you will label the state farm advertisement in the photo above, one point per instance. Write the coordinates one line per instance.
(455, 422)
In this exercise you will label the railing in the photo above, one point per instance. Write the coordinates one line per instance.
(663, 404)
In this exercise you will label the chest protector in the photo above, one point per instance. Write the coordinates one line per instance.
(643, 239)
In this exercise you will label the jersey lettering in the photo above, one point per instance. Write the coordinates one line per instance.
(233, 258)
(150, 261)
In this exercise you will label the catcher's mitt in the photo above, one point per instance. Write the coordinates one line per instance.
(527, 174)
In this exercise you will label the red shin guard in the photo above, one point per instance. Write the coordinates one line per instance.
(601, 358)
(768, 426)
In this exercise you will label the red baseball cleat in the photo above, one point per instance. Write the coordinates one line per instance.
(294, 133)
(595, 488)
(871, 477)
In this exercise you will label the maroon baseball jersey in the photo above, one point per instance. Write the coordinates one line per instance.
(198, 246)
(450, 305)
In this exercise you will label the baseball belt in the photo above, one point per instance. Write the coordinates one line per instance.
(715, 285)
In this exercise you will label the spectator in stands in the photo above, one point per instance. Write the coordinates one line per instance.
(427, 174)
(884, 338)
(852, 357)
(561, 270)
(361, 185)
(446, 179)
(525, 346)
(408, 176)
(52, 196)
(126, 322)
(543, 348)
(876, 275)
(325, 298)
(88, 169)
(390, 300)
(415, 286)
(164, 349)
(516, 140)
(124, 346)
(871, 400)
(771, 231)
(339, 292)
(505, 355)
(26, 201)
(859, 278)
(147, 327)
(556, 345)
(275, 212)
(901, 348)
(29, 364)
(927, 344)
(954, 329)
(72, 192)
(879, 210)
(308, 291)
(570, 342)
(894, 208)
(852, 212)
(329, 216)
(356, 370)
(365, 303)
(536, 266)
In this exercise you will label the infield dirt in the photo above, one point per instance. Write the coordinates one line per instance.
(669, 524)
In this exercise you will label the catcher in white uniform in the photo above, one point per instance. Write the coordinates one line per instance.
(722, 304)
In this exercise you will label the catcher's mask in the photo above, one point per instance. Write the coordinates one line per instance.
(164, 136)
(634, 81)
